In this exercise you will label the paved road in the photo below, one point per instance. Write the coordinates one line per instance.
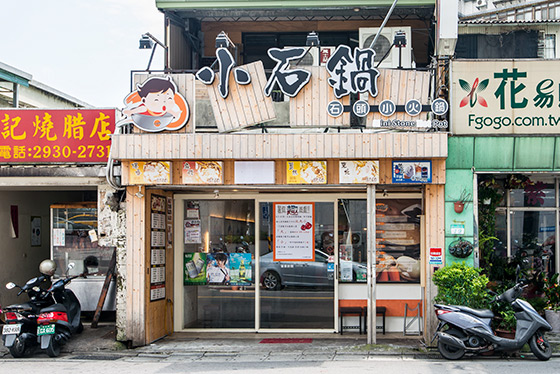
(287, 363)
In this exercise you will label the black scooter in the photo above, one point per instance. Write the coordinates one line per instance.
(20, 332)
(469, 330)
(58, 322)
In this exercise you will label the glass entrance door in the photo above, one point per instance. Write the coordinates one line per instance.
(297, 265)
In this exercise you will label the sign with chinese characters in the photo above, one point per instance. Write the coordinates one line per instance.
(294, 231)
(203, 172)
(412, 172)
(151, 172)
(56, 135)
(157, 247)
(306, 172)
(504, 97)
(358, 172)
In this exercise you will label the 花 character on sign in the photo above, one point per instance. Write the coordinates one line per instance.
(515, 88)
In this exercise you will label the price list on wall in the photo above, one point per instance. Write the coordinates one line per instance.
(157, 247)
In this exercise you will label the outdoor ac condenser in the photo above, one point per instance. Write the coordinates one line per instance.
(384, 42)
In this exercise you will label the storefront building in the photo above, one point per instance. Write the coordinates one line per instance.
(279, 192)
(503, 163)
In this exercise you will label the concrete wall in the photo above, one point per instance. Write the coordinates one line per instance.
(19, 261)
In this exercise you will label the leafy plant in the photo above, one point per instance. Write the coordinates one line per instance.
(508, 321)
(552, 292)
(460, 284)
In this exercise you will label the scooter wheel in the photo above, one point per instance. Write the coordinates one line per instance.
(449, 352)
(53, 349)
(17, 350)
(540, 346)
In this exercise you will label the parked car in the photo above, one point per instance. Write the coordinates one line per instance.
(275, 275)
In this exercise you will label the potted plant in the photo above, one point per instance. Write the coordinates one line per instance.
(506, 324)
(552, 294)
(460, 284)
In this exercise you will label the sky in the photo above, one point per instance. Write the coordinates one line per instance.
(84, 48)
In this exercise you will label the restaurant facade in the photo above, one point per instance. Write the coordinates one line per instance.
(268, 195)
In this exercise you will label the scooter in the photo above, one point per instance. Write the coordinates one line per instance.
(58, 322)
(469, 330)
(20, 332)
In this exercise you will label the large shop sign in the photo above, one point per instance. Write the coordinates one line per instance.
(56, 135)
(241, 95)
(505, 97)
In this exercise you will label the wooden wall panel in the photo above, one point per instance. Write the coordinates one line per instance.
(309, 107)
(280, 146)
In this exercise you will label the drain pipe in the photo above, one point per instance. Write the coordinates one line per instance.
(383, 24)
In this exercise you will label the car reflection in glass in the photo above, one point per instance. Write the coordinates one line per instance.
(275, 275)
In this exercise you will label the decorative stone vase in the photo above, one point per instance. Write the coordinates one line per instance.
(553, 317)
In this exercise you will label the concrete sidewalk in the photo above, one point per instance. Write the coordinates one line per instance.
(100, 344)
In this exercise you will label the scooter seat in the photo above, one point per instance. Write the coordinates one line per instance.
(25, 307)
(482, 313)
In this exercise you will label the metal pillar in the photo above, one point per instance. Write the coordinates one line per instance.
(371, 271)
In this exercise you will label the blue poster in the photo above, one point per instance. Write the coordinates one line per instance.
(412, 172)
(240, 269)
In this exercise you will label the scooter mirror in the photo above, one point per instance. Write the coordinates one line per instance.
(517, 271)
(71, 266)
(10, 285)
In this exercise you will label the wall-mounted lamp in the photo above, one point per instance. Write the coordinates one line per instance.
(147, 42)
(216, 194)
(139, 194)
(312, 40)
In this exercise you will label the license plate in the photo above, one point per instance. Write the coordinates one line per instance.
(11, 329)
(45, 330)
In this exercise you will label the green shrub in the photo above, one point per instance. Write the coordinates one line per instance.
(460, 284)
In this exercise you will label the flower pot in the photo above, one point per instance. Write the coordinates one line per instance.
(508, 334)
(553, 317)
(458, 206)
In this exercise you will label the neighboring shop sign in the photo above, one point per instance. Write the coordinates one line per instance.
(203, 172)
(157, 247)
(398, 240)
(156, 106)
(436, 256)
(150, 172)
(358, 172)
(306, 172)
(412, 172)
(294, 231)
(254, 172)
(56, 135)
(505, 97)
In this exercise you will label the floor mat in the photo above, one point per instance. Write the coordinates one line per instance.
(285, 341)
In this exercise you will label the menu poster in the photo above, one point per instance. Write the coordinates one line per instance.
(158, 205)
(203, 172)
(306, 172)
(194, 269)
(412, 172)
(149, 173)
(358, 172)
(59, 238)
(294, 231)
(192, 231)
(240, 269)
(398, 240)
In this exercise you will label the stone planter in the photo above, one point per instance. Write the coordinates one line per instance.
(553, 317)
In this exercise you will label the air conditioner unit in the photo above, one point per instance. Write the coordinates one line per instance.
(384, 42)
(312, 56)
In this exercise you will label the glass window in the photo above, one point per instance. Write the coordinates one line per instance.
(298, 293)
(550, 46)
(219, 252)
(352, 240)
(398, 240)
(73, 244)
(531, 191)
(533, 238)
